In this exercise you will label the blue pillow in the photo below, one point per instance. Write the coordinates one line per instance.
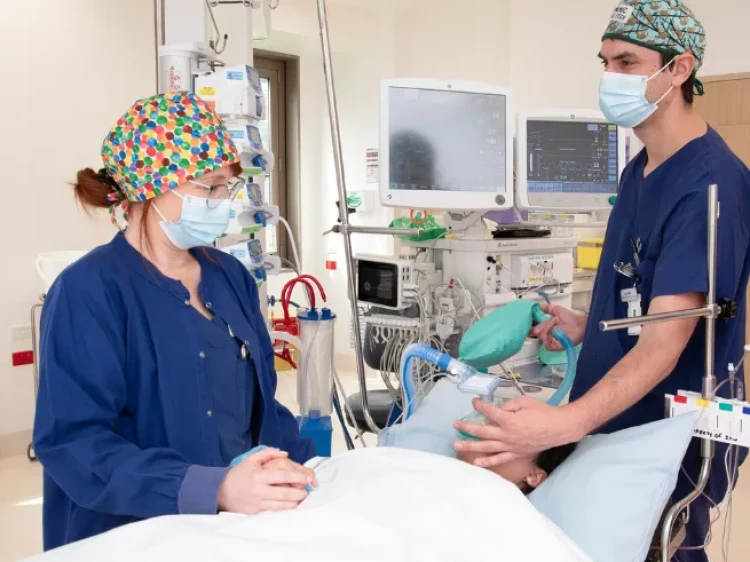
(431, 429)
(609, 496)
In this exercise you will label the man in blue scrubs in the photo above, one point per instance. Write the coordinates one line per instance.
(651, 52)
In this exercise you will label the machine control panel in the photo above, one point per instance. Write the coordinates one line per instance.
(524, 271)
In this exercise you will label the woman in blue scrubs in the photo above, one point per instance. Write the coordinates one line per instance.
(156, 366)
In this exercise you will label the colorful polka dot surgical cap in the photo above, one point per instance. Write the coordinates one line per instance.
(162, 142)
(666, 26)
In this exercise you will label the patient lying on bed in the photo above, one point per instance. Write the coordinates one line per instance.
(527, 472)
(430, 430)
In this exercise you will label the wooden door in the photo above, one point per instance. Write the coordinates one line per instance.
(726, 107)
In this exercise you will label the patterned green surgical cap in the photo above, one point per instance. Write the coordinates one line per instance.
(666, 26)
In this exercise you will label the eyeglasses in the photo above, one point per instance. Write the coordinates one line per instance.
(221, 191)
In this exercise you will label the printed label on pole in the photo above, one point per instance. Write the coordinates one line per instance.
(622, 14)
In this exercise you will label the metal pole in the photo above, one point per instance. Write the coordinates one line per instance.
(709, 380)
(341, 181)
(159, 32)
(35, 344)
(35, 351)
(612, 325)
(352, 229)
(679, 507)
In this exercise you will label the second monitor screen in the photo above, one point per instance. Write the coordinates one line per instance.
(571, 157)
(448, 141)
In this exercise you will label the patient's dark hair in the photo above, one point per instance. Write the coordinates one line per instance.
(550, 459)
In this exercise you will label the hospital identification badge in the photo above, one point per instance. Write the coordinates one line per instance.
(632, 298)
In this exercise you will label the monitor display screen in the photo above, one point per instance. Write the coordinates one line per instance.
(447, 141)
(377, 283)
(571, 157)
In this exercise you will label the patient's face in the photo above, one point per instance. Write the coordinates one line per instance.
(522, 472)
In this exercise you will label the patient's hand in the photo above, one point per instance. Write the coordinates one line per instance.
(286, 465)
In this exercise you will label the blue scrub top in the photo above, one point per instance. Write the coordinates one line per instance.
(668, 212)
(142, 401)
(233, 381)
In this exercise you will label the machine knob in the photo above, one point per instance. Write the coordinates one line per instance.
(500, 199)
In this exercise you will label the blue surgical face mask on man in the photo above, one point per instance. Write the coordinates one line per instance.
(622, 98)
(198, 225)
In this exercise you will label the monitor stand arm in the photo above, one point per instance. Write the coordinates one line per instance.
(470, 224)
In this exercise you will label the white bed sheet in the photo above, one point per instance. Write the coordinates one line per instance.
(373, 505)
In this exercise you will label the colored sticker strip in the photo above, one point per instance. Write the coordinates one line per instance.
(701, 403)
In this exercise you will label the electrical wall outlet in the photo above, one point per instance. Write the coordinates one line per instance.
(20, 333)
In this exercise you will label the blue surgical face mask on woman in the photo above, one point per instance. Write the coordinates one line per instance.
(622, 98)
(198, 225)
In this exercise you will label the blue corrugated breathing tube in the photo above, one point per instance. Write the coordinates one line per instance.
(459, 371)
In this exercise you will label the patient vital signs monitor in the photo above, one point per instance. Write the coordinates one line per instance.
(568, 160)
(446, 145)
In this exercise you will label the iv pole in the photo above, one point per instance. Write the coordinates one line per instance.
(710, 312)
(346, 229)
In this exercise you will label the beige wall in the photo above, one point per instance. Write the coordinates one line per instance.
(554, 61)
(467, 40)
(69, 69)
(728, 40)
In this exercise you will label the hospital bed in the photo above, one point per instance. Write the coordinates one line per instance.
(409, 500)
(372, 505)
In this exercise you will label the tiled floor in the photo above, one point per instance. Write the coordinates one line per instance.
(20, 502)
